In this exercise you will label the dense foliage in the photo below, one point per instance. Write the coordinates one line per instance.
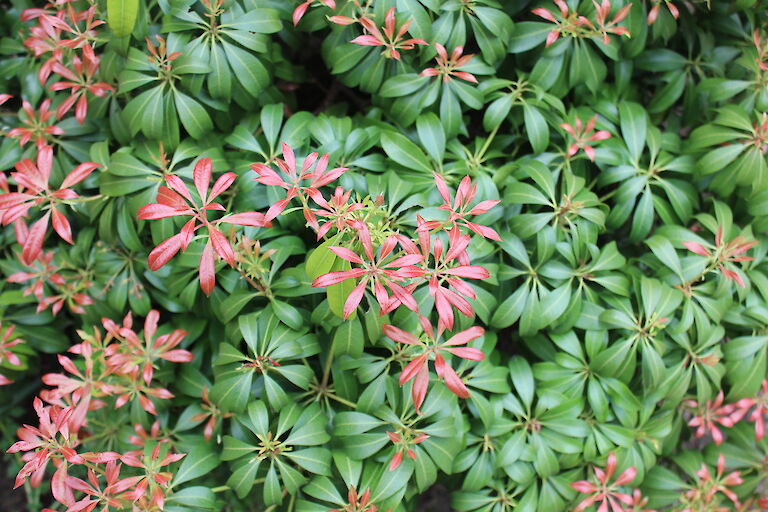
(273, 255)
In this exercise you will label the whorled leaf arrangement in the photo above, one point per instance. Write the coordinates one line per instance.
(474, 255)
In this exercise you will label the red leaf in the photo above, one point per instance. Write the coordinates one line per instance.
(59, 488)
(13, 199)
(413, 368)
(45, 162)
(346, 254)
(627, 476)
(452, 379)
(354, 298)
(154, 211)
(223, 183)
(465, 336)
(178, 356)
(366, 41)
(419, 389)
(34, 241)
(167, 249)
(207, 270)
(469, 77)
(81, 110)
(221, 245)
(299, 12)
(399, 335)
(79, 173)
(584, 486)
(544, 13)
(202, 176)
(473, 354)
(165, 196)
(396, 460)
(255, 219)
(697, 248)
(61, 225)
(187, 232)
(337, 277)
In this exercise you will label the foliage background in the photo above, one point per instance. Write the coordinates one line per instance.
(614, 313)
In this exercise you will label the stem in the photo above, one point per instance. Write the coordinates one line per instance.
(328, 362)
(259, 286)
(488, 141)
(341, 400)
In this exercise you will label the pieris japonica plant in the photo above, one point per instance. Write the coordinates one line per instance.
(384, 255)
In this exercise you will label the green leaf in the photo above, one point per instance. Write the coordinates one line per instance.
(121, 16)
(262, 21)
(643, 218)
(633, 127)
(402, 85)
(405, 152)
(200, 461)
(450, 111)
(271, 121)
(250, 72)
(349, 339)
(668, 94)
(244, 476)
(287, 314)
(196, 497)
(323, 489)
(153, 116)
(510, 310)
(432, 135)
(272, 494)
(314, 460)
(135, 109)
(321, 259)
(193, 116)
(339, 292)
(234, 448)
(350, 423)
(232, 393)
(536, 128)
(522, 193)
(664, 250)
(717, 159)
(512, 449)
(528, 35)
(220, 78)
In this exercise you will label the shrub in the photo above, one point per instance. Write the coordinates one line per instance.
(343, 255)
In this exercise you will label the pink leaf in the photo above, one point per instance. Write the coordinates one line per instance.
(697, 248)
(473, 354)
(202, 176)
(366, 41)
(61, 225)
(154, 211)
(337, 277)
(207, 270)
(452, 379)
(34, 241)
(79, 173)
(221, 245)
(299, 12)
(255, 219)
(167, 249)
(354, 298)
(223, 183)
(399, 335)
(465, 336)
(346, 254)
